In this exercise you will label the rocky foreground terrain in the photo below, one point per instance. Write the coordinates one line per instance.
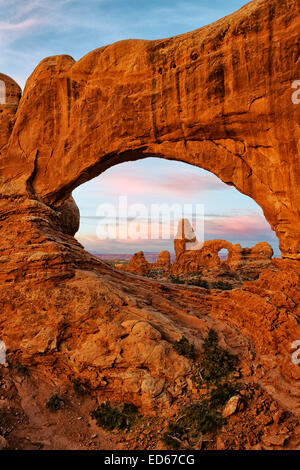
(87, 343)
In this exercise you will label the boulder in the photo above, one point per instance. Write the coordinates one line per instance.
(233, 405)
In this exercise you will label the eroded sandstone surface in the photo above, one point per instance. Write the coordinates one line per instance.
(218, 98)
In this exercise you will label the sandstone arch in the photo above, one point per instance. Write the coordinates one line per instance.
(214, 97)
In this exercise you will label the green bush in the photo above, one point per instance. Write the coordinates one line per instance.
(184, 348)
(199, 283)
(110, 418)
(222, 285)
(219, 395)
(80, 388)
(204, 416)
(154, 273)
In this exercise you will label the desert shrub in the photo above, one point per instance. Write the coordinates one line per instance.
(229, 274)
(219, 395)
(176, 279)
(216, 364)
(110, 418)
(184, 348)
(204, 416)
(174, 431)
(54, 403)
(199, 283)
(154, 273)
(80, 388)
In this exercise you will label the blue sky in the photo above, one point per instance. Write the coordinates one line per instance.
(31, 30)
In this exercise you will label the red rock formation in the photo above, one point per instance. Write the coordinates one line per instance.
(249, 262)
(139, 265)
(262, 250)
(163, 262)
(184, 236)
(10, 97)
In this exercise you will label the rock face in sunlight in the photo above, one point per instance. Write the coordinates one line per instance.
(218, 98)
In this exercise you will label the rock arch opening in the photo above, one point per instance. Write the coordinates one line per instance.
(234, 223)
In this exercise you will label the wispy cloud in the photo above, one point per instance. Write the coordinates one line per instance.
(18, 28)
(27, 29)
(20, 19)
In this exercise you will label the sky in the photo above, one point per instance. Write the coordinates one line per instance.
(31, 30)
